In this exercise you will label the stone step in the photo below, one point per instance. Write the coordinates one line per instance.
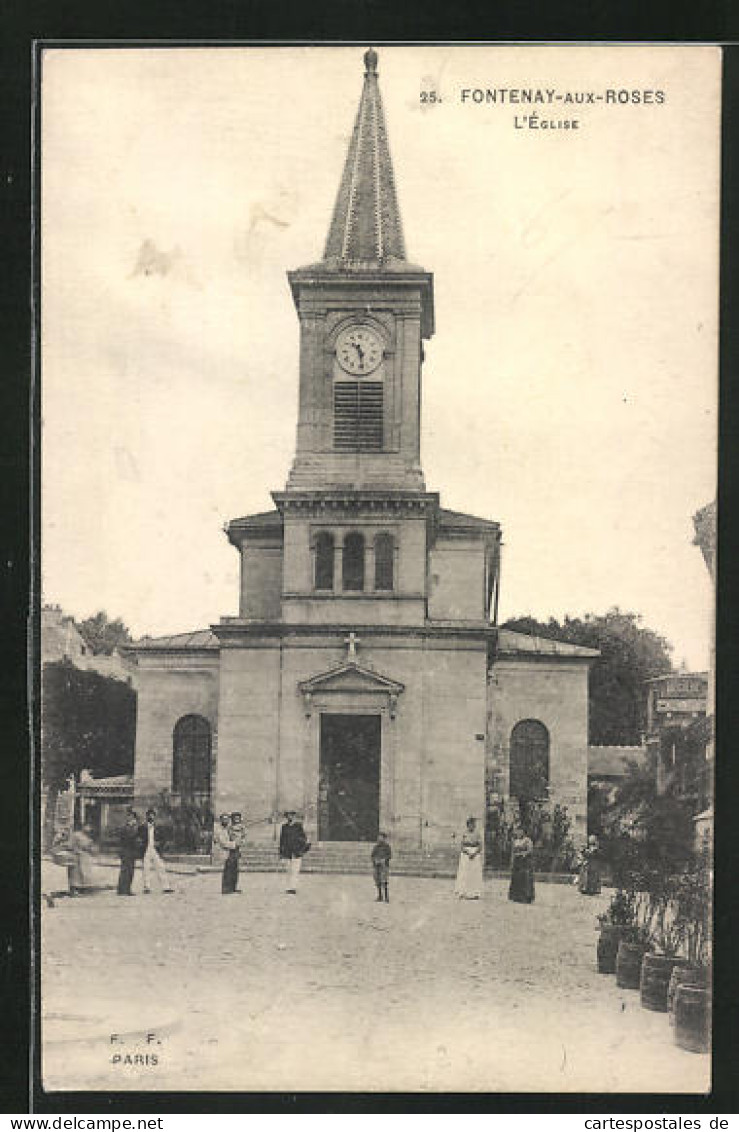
(418, 863)
(357, 861)
(351, 858)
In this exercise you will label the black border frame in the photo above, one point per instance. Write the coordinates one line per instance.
(27, 32)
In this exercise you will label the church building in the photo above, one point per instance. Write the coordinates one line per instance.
(364, 682)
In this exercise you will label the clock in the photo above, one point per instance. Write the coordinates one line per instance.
(359, 350)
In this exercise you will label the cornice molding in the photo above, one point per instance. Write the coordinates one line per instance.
(340, 504)
(236, 631)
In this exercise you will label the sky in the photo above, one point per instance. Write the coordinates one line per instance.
(569, 392)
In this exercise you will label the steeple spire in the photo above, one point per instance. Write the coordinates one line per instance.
(365, 228)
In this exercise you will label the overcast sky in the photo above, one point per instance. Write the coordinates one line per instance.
(569, 391)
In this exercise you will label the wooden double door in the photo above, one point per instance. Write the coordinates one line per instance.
(349, 777)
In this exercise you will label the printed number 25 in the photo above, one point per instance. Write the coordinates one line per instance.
(429, 96)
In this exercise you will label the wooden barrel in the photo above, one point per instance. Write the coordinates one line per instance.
(692, 1007)
(608, 941)
(656, 972)
(628, 964)
(683, 976)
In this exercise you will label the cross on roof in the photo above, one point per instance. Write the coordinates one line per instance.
(351, 643)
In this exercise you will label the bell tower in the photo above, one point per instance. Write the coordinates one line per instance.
(364, 311)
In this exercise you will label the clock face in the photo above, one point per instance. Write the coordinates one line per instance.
(359, 350)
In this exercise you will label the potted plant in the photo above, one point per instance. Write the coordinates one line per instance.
(689, 992)
(613, 923)
(637, 938)
(667, 935)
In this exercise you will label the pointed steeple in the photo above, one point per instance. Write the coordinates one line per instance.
(365, 228)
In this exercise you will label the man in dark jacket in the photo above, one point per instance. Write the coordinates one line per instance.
(293, 845)
(129, 851)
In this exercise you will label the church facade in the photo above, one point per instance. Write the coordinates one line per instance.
(364, 682)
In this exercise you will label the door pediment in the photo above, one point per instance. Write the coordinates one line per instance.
(352, 678)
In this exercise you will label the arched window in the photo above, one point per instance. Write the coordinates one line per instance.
(353, 567)
(529, 760)
(325, 561)
(384, 561)
(191, 762)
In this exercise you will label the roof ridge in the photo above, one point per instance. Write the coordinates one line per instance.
(562, 648)
(165, 640)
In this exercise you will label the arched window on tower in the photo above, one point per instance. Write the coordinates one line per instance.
(325, 561)
(191, 759)
(529, 761)
(384, 561)
(353, 562)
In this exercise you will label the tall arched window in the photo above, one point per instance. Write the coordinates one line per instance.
(529, 760)
(384, 561)
(325, 561)
(353, 566)
(191, 761)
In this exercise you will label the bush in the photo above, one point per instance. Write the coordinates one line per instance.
(694, 905)
(183, 827)
(620, 912)
(549, 829)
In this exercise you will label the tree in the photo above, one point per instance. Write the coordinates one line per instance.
(88, 722)
(631, 654)
(645, 830)
(102, 634)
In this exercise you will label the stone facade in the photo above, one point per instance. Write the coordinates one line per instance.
(364, 682)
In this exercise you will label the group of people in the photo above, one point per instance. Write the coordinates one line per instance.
(143, 841)
(230, 837)
(468, 885)
(138, 841)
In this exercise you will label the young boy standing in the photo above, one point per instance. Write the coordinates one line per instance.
(381, 855)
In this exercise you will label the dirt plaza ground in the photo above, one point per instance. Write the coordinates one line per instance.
(328, 990)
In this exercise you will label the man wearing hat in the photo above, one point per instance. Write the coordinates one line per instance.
(293, 845)
(129, 850)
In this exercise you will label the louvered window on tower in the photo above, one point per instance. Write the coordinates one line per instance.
(358, 411)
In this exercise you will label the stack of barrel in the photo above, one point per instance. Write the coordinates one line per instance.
(666, 983)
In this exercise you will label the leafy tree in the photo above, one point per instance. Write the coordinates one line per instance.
(88, 721)
(644, 830)
(102, 634)
(630, 655)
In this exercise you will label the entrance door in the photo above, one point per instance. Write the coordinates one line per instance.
(349, 781)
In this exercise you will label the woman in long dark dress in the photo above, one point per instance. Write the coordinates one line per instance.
(522, 868)
(588, 881)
